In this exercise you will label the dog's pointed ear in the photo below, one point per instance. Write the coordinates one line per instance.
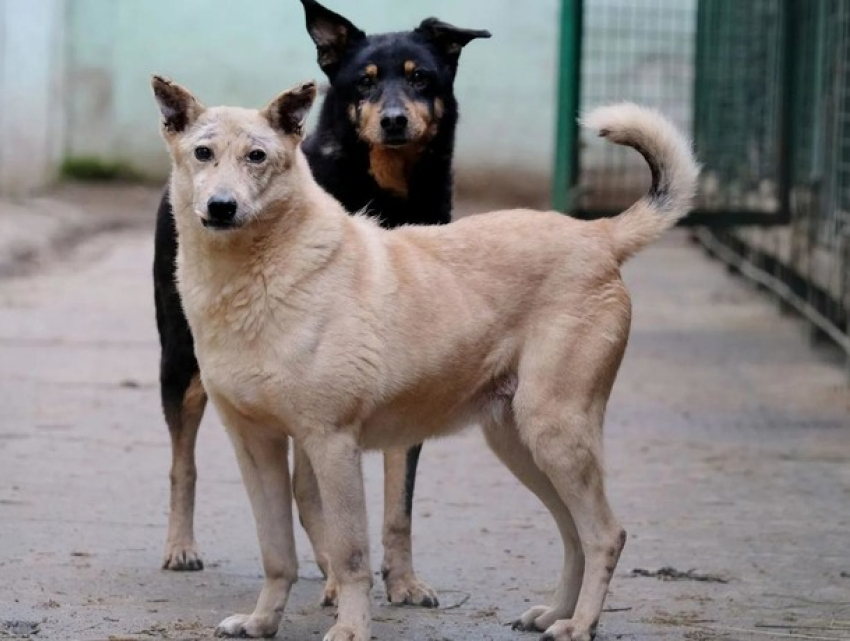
(289, 110)
(332, 34)
(448, 38)
(179, 108)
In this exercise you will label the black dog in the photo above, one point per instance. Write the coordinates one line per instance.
(384, 143)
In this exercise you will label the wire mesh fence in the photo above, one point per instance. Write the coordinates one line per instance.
(764, 87)
(785, 149)
(739, 117)
(637, 50)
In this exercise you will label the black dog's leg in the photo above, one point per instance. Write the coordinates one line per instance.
(397, 568)
(183, 396)
(400, 580)
(411, 463)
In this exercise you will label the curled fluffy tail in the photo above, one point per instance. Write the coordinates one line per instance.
(674, 172)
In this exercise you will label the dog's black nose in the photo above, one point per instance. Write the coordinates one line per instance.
(394, 121)
(222, 208)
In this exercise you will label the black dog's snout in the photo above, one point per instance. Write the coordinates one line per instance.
(394, 121)
(222, 208)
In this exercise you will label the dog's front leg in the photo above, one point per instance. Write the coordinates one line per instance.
(397, 569)
(335, 457)
(265, 471)
(309, 501)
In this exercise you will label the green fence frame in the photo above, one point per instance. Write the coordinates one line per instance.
(566, 170)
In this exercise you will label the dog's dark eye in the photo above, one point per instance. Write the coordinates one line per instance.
(203, 153)
(419, 78)
(256, 155)
(365, 83)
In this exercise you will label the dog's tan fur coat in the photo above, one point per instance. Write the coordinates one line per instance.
(313, 324)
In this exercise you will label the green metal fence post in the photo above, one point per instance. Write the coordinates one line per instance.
(701, 71)
(566, 169)
(786, 148)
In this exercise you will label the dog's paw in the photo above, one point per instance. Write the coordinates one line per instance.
(182, 558)
(527, 622)
(346, 633)
(245, 626)
(330, 594)
(408, 590)
(567, 630)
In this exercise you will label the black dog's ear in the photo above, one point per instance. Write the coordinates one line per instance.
(448, 38)
(179, 108)
(289, 110)
(332, 34)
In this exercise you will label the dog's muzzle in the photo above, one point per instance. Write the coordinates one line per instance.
(394, 126)
(221, 213)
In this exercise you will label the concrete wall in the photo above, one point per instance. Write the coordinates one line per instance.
(74, 76)
(245, 52)
(31, 106)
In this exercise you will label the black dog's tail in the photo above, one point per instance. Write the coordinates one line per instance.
(674, 172)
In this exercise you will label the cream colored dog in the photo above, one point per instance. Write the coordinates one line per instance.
(313, 324)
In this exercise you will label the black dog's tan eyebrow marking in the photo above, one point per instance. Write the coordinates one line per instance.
(439, 108)
(371, 70)
(409, 67)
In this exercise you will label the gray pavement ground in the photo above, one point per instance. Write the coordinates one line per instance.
(36, 231)
(728, 452)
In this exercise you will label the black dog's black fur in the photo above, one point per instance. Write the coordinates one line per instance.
(387, 73)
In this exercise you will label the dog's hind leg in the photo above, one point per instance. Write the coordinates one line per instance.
(183, 396)
(309, 501)
(183, 417)
(559, 407)
(335, 457)
(504, 440)
(397, 568)
(265, 471)
(602, 539)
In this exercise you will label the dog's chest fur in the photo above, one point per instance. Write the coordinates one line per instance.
(392, 168)
(229, 313)
(261, 351)
(222, 307)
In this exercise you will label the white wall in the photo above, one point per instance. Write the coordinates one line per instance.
(74, 75)
(31, 103)
(246, 52)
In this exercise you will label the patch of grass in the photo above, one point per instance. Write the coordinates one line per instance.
(93, 169)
